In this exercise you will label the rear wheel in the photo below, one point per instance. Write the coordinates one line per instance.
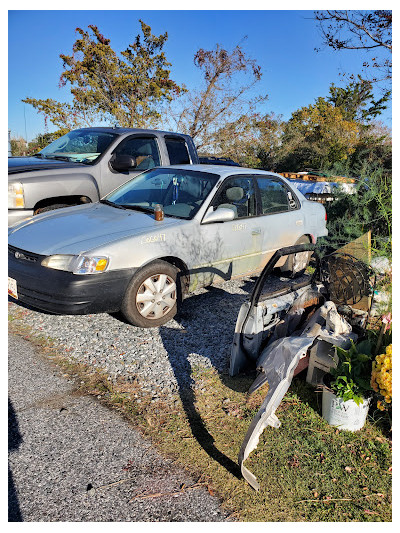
(296, 264)
(152, 296)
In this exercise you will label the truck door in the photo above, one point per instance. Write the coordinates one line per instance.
(146, 151)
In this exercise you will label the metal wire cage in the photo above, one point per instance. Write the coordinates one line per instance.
(347, 278)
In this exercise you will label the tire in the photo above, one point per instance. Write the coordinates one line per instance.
(49, 208)
(296, 264)
(152, 296)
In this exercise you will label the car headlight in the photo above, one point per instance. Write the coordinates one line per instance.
(16, 195)
(77, 264)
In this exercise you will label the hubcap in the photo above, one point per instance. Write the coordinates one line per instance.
(300, 261)
(156, 296)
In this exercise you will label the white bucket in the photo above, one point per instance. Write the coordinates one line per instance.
(344, 415)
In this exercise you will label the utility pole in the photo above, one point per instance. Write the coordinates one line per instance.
(26, 134)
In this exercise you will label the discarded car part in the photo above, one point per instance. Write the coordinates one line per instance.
(279, 371)
(276, 366)
(266, 307)
(283, 320)
(323, 354)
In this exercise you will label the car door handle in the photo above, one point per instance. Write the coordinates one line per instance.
(256, 231)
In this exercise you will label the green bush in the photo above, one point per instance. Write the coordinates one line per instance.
(352, 215)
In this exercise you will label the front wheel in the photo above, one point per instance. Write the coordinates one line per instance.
(152, 295)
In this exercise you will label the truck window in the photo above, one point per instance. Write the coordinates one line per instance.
(143, 148)
(177, 152)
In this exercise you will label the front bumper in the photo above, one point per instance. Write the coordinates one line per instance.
(16, 215)
(62, 292)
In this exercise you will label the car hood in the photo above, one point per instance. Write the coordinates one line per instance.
(81, 228)
(17, 165)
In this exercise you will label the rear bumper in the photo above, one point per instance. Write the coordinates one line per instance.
(62, 292)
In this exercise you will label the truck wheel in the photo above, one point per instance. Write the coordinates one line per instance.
(296, 264)
(49, 208)
(152, 295)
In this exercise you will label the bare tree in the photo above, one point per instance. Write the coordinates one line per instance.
(360, 30)
(204, 113)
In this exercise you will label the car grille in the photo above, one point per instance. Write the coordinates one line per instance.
(23, 255)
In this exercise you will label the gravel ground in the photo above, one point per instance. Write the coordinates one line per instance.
(161, 358)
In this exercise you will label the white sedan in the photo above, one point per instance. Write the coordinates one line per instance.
(161, 235)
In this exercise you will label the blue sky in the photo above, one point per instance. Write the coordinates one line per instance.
(282, 43)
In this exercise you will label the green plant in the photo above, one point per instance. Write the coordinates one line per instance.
(352, 376)
(370, 208)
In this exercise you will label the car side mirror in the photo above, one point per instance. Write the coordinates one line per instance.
(222, 214)
(123, 162)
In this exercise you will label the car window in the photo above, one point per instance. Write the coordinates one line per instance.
(274, 196)
(177, 152)
(180, 192)
(237, 194)
(144, 149)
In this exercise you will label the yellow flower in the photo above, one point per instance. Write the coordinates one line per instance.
(380, 406)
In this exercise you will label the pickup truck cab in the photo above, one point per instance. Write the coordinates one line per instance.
(86, 164)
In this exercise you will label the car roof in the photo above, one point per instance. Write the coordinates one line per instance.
(223, 170)
(122, 131)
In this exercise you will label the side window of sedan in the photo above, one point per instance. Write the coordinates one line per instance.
(237, 194)
(144, 149)
(274, 196)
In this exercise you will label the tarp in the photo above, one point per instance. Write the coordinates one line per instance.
(322, 187)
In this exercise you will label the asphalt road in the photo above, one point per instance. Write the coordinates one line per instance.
(73, 460)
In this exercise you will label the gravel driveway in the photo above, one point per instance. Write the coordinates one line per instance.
(161, 357)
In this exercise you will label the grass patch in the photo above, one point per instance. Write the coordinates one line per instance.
(308, 471)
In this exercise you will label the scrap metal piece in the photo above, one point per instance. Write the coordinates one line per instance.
(277, 364)
(283, 320)
(272, 298)
(279, 370)
(348, 278)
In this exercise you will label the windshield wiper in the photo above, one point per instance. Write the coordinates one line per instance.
(60, 157)
(138, 208)
(107, 202)
(38, 155)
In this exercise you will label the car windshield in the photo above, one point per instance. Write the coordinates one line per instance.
(180, 192)
(80, 146)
